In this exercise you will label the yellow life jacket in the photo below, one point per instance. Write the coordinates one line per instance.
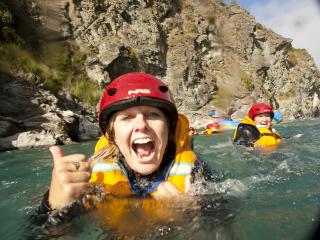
(269, 139)
(119, 214)
(112, 176)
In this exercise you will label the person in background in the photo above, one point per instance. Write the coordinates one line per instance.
(145, 151)
(255, 130)
(192, 131)
(213, 128)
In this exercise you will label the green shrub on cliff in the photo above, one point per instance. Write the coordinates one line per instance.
(81, 87)
(14, 59)
(247, 80)
(56, 65)
(66, 70)
(5, 16)
(7, 33)
(23, 51)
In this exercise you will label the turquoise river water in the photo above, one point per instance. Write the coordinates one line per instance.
(261, 196)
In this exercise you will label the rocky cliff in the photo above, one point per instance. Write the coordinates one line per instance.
(212, 55)
(32, 116)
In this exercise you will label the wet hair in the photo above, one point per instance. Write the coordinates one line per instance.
(109, 134)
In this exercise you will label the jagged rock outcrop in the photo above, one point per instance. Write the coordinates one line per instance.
(32, 116)
(211, 54)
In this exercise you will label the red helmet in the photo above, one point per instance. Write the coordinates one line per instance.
(260, 108)
(136, 89)
(213, 125)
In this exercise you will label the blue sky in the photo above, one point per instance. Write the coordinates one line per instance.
(295, 19)
(248, 3)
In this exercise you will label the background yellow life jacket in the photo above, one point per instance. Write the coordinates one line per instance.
(268, 138)
(113, 177)
(119, 214)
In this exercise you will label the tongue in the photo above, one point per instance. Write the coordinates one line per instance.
(144, 149)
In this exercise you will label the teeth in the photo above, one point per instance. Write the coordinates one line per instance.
(142, 140)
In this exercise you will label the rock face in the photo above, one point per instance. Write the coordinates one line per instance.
(212, 55)
(32, 116)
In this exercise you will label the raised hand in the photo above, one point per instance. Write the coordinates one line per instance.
(167, 190)
(69, 179)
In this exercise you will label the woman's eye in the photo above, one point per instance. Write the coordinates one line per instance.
(152, 115)
(125, 117)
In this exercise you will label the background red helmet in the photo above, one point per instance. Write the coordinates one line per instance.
(136, 89)
(213, 125)
(260, 108)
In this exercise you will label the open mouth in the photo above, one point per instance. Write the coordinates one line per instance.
(143, 147)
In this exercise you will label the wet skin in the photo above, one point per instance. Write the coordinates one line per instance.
(263, 119)
(141, 133)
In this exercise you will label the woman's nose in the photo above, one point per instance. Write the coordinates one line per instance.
(140, 122)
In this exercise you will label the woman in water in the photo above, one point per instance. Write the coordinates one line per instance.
(145, 151)
(255, 130)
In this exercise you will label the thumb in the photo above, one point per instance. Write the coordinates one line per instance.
(56, 152)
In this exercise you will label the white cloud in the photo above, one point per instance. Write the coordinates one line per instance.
(295, 19)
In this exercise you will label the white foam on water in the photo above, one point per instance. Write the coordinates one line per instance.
(299, 135)
(230, 187)
(284, 166)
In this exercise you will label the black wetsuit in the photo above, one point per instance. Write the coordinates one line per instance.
(246, 135)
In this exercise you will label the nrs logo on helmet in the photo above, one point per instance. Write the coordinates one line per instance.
(137, 91)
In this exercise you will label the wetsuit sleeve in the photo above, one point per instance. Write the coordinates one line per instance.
(45, 216)
(246, 135)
